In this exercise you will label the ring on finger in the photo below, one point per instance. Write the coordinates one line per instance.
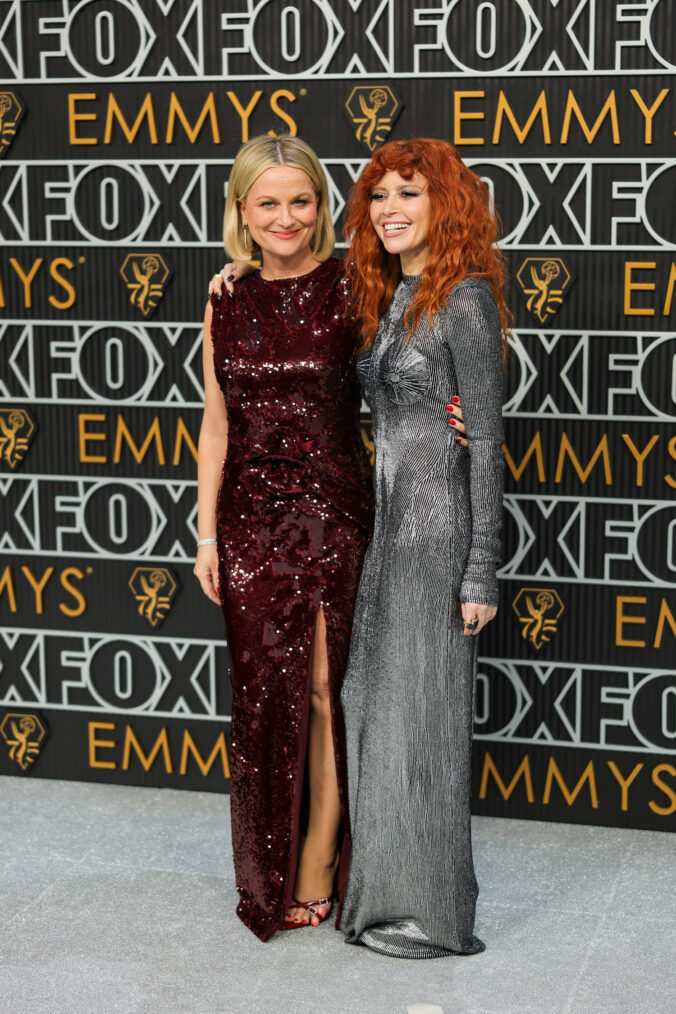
(471, 624)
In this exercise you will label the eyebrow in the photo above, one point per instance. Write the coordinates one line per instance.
(403, 186)
(270, 197)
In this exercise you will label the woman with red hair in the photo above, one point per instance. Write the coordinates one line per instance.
(426, 285)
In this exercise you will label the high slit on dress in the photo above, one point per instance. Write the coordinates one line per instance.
(294, 517)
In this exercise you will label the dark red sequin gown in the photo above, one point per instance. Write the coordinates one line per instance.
(294, 519)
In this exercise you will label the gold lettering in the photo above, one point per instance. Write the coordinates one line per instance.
(632, 286)
(27, 279)
(601, 451)
(154, 433)
(621, 618)
(671, 285)
(665, 616)
(245, 113)
(74, 117)
(553, 774)
(115, 113)
(459, 115)
(182, 435)
(38, 586)
(610, 107)
(190, 747)
(62, 304)
(670, 481)
(208, 109)
(490, 768)
(539, 109)
(66, 584)
(664, 811)
(100, 744)
(648, 113)
(283, 93)
(640, 456)
(84, 436)
(624, 782)
(534, 448)
(161, 743)
(7, 584)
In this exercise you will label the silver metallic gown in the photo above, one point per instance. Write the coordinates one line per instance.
(408, 694)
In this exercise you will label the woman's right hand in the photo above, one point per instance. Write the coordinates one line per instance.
(227, 276)
(206, 572)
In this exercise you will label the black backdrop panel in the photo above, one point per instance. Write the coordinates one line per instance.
(119, 123)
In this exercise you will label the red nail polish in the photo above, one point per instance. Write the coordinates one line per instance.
(455, 399)
(451, 422)
(449, 408)
(458, 440)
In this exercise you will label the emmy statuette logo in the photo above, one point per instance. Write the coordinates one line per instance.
(11, 111)
(539, 611)
(24, 736)
(154, 589)
(146, 276)
(544, 282)
(16, 432)
(372, 110)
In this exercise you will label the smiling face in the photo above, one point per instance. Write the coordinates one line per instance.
(400, 213)
(280, 212)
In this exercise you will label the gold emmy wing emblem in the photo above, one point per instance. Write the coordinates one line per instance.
(16, 432)
(24, 736)
(539, 610)
(145, 275)
(372, 110)
(544, 282)
(11, 111)
(153, 588)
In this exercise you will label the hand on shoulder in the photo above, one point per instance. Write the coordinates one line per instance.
(227, 278)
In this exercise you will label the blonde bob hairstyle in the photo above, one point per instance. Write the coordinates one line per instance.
(253, 158)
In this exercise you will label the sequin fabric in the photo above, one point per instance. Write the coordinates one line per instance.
(295, 512)
(408, 693)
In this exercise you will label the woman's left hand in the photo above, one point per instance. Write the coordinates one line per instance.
(471, 611)
(456, 420)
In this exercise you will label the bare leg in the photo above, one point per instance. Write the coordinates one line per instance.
(318, 855)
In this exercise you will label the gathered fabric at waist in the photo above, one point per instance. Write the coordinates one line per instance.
(309, 482)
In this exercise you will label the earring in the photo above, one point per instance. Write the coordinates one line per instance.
(246, 237)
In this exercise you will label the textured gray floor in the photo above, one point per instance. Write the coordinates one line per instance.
(122, 900)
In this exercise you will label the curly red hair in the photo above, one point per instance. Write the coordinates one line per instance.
(462, 236)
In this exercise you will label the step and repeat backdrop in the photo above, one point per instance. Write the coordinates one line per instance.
(119, 120)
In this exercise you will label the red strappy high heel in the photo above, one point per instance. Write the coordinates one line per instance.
(311, 907)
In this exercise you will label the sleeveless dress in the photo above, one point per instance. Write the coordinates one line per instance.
(408, 694)
(294, 517)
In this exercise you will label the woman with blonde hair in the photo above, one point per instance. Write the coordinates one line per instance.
(284, 517)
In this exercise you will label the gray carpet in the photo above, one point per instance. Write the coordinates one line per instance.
(121, 901)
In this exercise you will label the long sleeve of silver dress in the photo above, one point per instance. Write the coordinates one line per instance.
(408, 694)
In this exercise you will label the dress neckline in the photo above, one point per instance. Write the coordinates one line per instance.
(411, 280)
(291, 279)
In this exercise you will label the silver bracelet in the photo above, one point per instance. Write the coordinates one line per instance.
(207, 542)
